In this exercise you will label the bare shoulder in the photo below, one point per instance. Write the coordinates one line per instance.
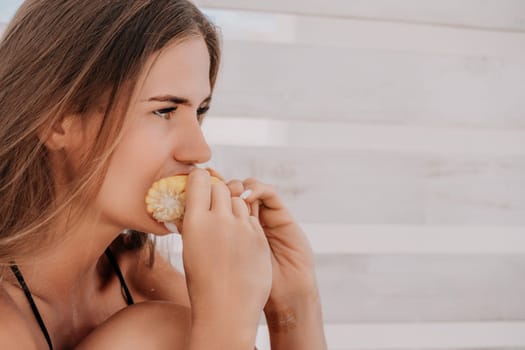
(161, 282)
(146, 325)
(15, 330)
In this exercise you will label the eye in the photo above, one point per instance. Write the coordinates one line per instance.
(201, 113)
(203, 110)
(165, 113)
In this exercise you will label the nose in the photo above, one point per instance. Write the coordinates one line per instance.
(191, 146)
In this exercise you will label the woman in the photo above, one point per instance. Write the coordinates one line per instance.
(99, 99)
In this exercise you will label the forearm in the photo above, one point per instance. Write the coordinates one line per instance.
(296, 325)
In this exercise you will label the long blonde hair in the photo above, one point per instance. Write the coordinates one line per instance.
(67, 56)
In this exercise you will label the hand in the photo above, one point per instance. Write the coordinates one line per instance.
(224, 248)
(293, 271)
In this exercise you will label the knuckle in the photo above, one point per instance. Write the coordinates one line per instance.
(250, 180)
(218, 184)
(219, 187)
(235, 186)
(235, 182)
(238, 201)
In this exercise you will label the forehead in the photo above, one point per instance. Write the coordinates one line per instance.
(181, 69)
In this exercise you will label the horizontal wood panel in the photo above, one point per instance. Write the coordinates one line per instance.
(371, 187)
(361, 34)
(280, 81)
(365, 288)
(426, 288)
(495, 14)
(442, 336)
(374, 72)
(400, 239)
(263, 132)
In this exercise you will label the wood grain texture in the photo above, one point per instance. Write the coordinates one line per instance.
(491, 14)
(378, 188)
(414, 288)
(362, 34)
(436, 335)
(298, 82)
(355, 136)
(405, 288)
(341, 239)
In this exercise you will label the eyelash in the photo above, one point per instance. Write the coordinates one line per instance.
(170, 110)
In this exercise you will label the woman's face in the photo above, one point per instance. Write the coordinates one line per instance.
(162, 133)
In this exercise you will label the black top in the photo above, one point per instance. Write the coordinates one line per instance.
(20, 278)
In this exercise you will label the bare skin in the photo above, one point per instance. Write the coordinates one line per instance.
(69, 282)
(225, 238)
(107, 321)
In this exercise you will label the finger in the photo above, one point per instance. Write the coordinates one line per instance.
(220, 199)
(254, 208)
(198, 192)
(214, 172)
(257, 226)
(240, 208)
(267, 194)
(236, 187)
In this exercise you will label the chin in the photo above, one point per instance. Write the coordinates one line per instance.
(144, 222)
(159, 229)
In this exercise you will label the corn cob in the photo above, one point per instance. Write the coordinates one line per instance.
(165, 200)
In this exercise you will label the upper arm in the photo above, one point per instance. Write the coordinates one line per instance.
(15, 332)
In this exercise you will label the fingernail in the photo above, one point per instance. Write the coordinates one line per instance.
(246, 194)
(170, 226)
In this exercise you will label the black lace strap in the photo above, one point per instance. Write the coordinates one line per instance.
(20, 278)
(113, 261)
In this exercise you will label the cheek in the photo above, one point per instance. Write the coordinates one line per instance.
(134, 166)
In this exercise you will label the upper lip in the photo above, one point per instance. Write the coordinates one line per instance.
(182, 171)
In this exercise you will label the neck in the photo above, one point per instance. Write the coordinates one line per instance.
(69, 270)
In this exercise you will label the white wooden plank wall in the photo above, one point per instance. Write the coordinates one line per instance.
(395, 131)
(505, 15)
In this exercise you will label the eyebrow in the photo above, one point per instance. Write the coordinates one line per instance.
(176, 100)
